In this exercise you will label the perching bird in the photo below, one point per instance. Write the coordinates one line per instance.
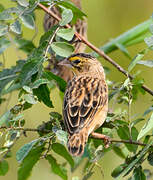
(80, 27)
(86, 100)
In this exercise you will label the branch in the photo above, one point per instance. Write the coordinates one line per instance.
(93, 135)
(106, 138)
(98, 51)
(25, 129)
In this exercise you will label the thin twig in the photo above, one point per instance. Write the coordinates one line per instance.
(103, 137)
(98, 51)
(50, 41)
(25, 129)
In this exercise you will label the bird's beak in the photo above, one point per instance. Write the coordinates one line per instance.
(66, 63)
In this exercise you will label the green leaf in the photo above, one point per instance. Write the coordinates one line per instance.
(4, 167)
(29, 98)
(28, 21)
(56, 168)
(28, 163)
(148, 63)
(39, 82)
(61, 150)
(134, 162)
(25, 45)
(120, 151)
(123, 133)
(16, 27)
(117, 171)
(3, 29)
(24, 150)
(138, 174)
(43, 95)
(137, 58)
(4, 44)
(62, 136)
(150, 109)
(146, 128)
(77, 13)
(66, 34)
(150, 158)
(136, 121)
(133, 36)
(5, 118)
(149, 41)
(62, 48)
(23, 3)
(30, 68)
(50, 76)
(27, 89)
(5, 15)
(67, 16)
(123, 49)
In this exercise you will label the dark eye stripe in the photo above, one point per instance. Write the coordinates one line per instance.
(77, 61)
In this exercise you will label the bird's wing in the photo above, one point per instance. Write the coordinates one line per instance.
(83, 98)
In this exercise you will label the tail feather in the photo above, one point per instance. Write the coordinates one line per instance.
(76, 143)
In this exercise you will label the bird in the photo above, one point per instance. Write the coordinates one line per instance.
(85, 103)
(80, 27)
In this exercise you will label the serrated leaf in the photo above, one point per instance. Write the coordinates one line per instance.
(56, 168)
(67, 16)
(28, 163)
(134, 162)
(62, 48)
(146, 128)
(148, 63)
(28, 21)
(66, 34)
(50, 76)
(3, 29)
(5, 15)
(137, 58)
(43, 94)
(61, 150)
(4, 167)
(16, 27)
(24, 150)
(23, 3)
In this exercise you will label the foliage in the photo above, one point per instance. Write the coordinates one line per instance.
(34, 83)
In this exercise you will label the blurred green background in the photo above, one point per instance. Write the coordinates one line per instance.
(106, 20)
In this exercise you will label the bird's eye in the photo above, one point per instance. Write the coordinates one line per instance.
(77, 61)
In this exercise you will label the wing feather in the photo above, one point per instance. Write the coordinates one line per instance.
(83, 98)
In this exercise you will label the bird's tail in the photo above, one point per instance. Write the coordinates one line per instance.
(76, 143)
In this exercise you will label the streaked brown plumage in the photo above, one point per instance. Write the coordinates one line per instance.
(85, 101)
(80, 27)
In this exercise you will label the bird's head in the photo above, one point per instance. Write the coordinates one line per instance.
(81, 63)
